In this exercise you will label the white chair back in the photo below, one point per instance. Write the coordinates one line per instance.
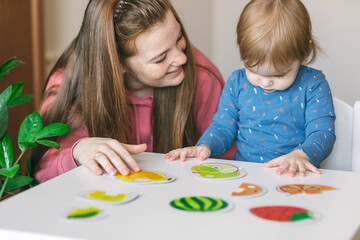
(341, 156)
(355, 167)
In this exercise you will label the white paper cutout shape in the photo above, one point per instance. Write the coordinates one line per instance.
(293, 189)
(114, 199)
(143, 177)
(284, 214)
(248, 190)
(215, 171)
(84, 214)
(200, 204)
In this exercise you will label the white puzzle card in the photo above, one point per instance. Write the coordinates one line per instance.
(200, 204)
(98, 196)
(285, 214)
(293, 189)
(80, 214)
(143, 177)
(215, 171)
(249, 190)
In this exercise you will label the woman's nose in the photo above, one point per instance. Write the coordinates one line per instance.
(179, 57)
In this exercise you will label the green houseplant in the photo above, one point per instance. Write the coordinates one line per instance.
(31, 133)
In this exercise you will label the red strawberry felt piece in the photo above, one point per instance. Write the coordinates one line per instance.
(282, 213)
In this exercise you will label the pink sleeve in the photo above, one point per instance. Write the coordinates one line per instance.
(55, 162)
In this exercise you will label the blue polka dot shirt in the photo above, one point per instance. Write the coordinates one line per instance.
(268, 125)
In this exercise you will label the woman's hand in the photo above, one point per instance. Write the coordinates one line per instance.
(294, 161)
(108, 153)
(202, 152)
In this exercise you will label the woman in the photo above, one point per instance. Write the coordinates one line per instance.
(130, 76)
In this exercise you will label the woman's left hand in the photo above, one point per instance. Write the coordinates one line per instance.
(296, 161)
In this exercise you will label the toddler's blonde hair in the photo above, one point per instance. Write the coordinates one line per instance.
(275, 31)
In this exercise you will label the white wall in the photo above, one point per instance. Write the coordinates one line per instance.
(211, 25)
(62, 23)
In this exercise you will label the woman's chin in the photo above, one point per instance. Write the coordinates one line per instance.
(175, 81)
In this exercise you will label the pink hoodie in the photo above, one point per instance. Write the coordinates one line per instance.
(209, 84)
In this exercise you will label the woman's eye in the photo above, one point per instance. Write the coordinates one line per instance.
(161, 60)
(180, 37)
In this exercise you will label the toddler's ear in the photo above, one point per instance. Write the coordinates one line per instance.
(303, 62)
(307, 57)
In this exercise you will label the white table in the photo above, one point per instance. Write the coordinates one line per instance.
(36, 213)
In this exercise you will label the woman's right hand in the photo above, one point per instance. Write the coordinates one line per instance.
(108, 153)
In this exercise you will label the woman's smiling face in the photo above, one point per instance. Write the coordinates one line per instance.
(159, 58)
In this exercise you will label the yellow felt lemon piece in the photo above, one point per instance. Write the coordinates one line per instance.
(99, 195)
(143, 176)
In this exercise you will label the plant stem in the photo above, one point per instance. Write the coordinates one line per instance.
(3, 187)
(22, 153)
(7, 178)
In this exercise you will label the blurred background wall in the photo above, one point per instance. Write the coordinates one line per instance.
(211, 26)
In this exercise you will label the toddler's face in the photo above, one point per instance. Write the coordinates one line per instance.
(269, 79)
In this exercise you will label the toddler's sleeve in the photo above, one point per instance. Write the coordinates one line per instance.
(222, 132)
(320, 119)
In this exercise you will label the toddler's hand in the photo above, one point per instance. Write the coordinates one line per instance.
(294, 161)
(201, 152)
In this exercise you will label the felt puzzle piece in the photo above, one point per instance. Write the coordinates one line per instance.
(100, 196)
(84, 213)
(216, 171)
(144, 177)
(291, 189)
(283, 213)
(248, 190)
(200, 204)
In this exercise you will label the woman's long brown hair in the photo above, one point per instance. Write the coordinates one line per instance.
(93, 89)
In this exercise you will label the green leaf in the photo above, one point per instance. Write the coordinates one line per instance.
(18, 182)
(16, 90)
(6, 66)
(9, 192)
(6, 151)
(52, 130)
(26, 145)
(4, 98)
(3, 121)
(35, 183)
(20, 100)
(10, 172)
(48, 143)
(29, 129)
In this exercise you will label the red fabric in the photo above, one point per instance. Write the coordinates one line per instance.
(209, 86)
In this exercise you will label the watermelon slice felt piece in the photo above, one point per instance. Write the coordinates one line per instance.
(282, 213)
